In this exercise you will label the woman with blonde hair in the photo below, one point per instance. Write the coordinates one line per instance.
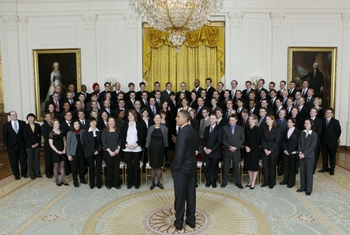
(270, 146)
(252, 151)
(318, 106)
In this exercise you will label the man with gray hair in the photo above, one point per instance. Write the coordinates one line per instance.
(316, 79)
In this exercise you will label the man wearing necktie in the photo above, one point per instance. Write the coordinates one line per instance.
(330, 134)
(212, 141)
(14, 142)
(232, 150)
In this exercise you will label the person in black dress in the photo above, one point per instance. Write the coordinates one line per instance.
(252, 151)
(111, 146)
(102, 121)
(290, 153)
(57, 141)
(75, 152)
(32, 138)
(157, 140)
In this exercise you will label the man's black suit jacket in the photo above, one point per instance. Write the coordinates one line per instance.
(12, 139)
(331, 133)
(213, 141)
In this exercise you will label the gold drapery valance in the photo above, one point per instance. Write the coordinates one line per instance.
(200, 56)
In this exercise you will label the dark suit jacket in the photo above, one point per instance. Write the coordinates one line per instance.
(187, 95)
(139, 93)
(141, 134)
(165, 96)
(129, 104)
(331, 133)
(150, 113)
(213, 141)
(270, 139)
(245, 94)
(307, 146)
(114, 95)
(223, 122)
(317, 127)
(45, 131)
(210, 93)
(89, 143)
(235, 140)
(31, 137)
(65, 128)
(292, 93)
(11, 138)
(185, 160)
(291, 144)
(198, 91)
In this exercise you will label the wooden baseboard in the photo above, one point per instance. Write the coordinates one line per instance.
(343, 147)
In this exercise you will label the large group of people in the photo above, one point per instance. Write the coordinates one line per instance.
(285, 129)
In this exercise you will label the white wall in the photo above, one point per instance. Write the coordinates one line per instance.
(109, 34)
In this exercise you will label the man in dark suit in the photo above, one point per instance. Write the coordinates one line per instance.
(200, 103)
(316, 127)
(166, 93)
(212, 141)
(304, 89)
(220, 91)
(209, 89)
(282, 88)
(46, 128)
(184, 171)
(316, 79)
(233, 140)
(304, 111)
(12, 134)
(197, 87)
(144, 99)
(245, 93)
(156, 88)
(116, 92)
(221, 121)
(102, 95)
(261, 83)
(141, 91)
(292, 90)
(56, 102)
(131, 101)
(183, 90)
(83, 90)
(153, 109)
(131, 87)
(70, 100)
(309, 100)
(330, 135)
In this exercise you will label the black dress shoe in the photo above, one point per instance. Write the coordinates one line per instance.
(282, 183)
(129, 187)
(239, 186)
(290, 186)
(59, 184)
(152, 186)
(252, 187)
(65, 183)
(91, 186)
(25, 176)
(39, 176)
(247, 186)
(17, 178)
(99, 187)
(159, 185)
(300, 190)
(263, 185)
(32, 178)
(207, 185)
(308, 193)
(223, 185)
(49, 176)
(214, 185)
(323, 170)
(331, 173)
(109, 187)
(137, 186)
(76, 184)
(83, 181)
(271, 186)
(118, 187)
(178, 227)
(189, 224)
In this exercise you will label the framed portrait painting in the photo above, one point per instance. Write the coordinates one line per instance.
(54, 68)
(321, 77)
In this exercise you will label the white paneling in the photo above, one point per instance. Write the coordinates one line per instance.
(110, 56)
(55, 32)
(256, 56)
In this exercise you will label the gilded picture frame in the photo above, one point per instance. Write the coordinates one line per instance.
(54, 67)
(300, 62)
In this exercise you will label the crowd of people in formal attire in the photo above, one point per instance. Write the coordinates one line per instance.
(285, 130)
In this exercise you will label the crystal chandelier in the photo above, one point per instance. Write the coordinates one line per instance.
(176, 17)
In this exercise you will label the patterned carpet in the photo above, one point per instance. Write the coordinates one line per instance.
(40, 207)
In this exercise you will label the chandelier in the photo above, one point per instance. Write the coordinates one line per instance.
(176, 17)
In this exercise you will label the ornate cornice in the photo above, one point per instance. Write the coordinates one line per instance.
(22, 23)
(131, 20)
(89, 21)
(10, 22)
(277, 19)
(346, 19)
(235, 18)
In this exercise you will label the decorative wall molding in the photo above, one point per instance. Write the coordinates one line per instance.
(278, 19)
(131, 20)
(10, 22)
(235, 18)
(89, 21)
(22, 23)
(346, 19)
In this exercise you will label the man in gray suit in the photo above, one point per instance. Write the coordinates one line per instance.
(233, 140)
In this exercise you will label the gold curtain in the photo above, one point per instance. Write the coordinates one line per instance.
(201, 56)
